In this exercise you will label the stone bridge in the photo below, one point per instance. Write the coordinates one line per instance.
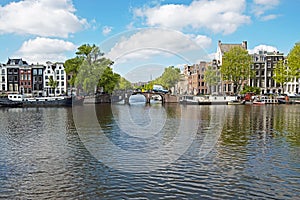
(166, 98)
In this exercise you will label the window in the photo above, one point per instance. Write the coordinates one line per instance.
(62, 83)
(40, 71)
(34, 71)
(62, 71)
(3, 78)
(62, 77)
(57, 71)
(3, 71)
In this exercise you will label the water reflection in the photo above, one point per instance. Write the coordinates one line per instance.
(255, 156)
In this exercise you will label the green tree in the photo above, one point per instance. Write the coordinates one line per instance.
(124, 84)
(294, 62)
(72, 65)
(91, 69)
(169, 78)
(53, 84)
(108, 80)
(281, 74)
(250, 89)
(211, 77)
(236, 66)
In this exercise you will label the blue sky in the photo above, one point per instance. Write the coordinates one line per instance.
(143, 37)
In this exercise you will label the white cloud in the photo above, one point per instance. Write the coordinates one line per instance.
(40, 17)
(262, 47)
(215, 15)
(41, 50)
(260, 7)
(106, 30)
(202, 40)
(269, 17)
(150, 42)
(267, 2)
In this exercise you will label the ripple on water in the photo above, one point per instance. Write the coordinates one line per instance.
(42, 157)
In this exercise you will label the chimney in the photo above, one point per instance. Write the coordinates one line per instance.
(244, 44)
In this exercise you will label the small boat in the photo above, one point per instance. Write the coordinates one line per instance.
(236, 102)
(259, 102)
(297, 101)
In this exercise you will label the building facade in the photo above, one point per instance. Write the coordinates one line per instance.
(227, 86)
(37, 79)
(55, 72)
(16, 76)
(12, 74)
(3, 85)
(25, 83)
(195, 78)
(264, 64)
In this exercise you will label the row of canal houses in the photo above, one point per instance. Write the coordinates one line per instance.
(264, 62)
(17, 76)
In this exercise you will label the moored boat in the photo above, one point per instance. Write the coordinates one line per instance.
(188, 100)
(258, 102)
(42, 101)
(5, 102)
(236, 102)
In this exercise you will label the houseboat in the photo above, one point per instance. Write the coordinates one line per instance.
(18, 99)
(207, 100)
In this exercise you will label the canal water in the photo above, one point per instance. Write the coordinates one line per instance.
(153, 151)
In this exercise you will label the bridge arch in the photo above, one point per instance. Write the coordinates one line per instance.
(147, 95)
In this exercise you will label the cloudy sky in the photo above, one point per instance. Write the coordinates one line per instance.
(143, 37)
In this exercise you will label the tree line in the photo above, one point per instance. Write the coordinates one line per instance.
(236, 68)
(91, 70)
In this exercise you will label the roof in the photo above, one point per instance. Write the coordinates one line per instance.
(226, 47)
(18, 61)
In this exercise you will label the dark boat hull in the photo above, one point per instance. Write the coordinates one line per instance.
(9, 103)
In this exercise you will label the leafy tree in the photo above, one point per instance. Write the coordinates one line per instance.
(72, 65)
(294, 62)
(94, 65)
(236, 66)
(52, 83)
(250, 89)
(211, 77)
(169, 78)
(124, 84)
(281, 74)
(108, 80)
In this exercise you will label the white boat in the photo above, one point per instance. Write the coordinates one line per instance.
(216, 100)
(236, 102)
(189, 100)
(40, 101)
(269, 100)
(207, 100)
